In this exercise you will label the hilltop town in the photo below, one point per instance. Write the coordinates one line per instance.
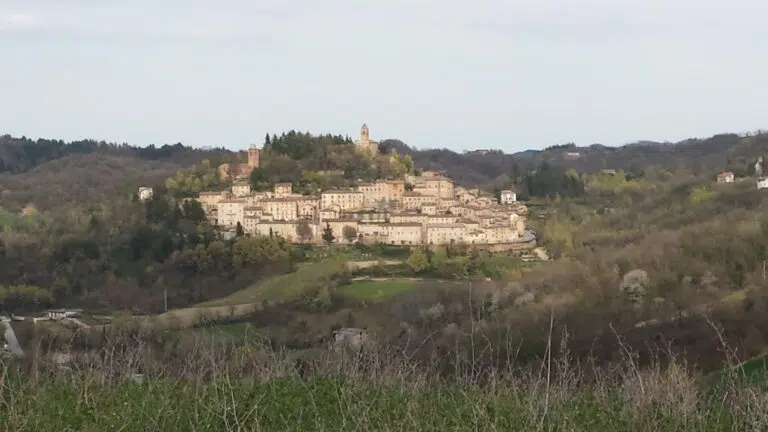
(423, 209)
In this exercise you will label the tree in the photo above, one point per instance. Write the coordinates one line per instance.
(440, 259)
(260, 179)
(303, 230)
(239, 232)
(193, 211)
(497, 194)
(328, 236)
(418, 260)
(349, 233)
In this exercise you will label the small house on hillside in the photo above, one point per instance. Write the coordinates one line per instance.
(508, 197)
(145, 193)
(56, 314)
(725, 177)
(762, 183)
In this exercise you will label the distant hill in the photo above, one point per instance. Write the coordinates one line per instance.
(53, 172)
(701, 156)
(50, 173)
(18, 155)
(81, 178)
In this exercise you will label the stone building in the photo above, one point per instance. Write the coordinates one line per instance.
(344, 199)
(508, 197)
(230, 212)
(435, 213)
(415, 200)
(439, 234)
(284, 229)
(241, 171)
(241, 188)
(725, 177)
(283, 189)
(281, 209)
(365, 144)
(434, 185)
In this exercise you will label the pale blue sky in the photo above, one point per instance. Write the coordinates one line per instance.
(508, 74)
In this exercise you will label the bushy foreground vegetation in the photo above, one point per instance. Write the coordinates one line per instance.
(213, 386)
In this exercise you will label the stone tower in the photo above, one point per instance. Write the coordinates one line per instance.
(365, 144)
(253, 157)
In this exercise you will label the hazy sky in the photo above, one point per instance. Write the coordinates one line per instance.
(508, 74)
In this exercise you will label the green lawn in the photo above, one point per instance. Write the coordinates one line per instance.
(308, 276)
(376, 290)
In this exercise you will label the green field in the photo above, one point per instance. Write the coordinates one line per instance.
(307, 277)
(753, 372)
(377, 290)
(338, 404)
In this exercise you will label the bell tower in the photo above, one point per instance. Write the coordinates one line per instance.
(364, 134)
(253, 157)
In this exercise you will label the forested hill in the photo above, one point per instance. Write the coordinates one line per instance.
(29, 169)
(18, 155)
(492, 168)
(51, 173)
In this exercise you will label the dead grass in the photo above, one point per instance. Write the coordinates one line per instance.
(210, 385)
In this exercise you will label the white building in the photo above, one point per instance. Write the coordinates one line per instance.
(725, 177)
(762, 183)
(241, 189)
(508, 197)
(145, 193)
(63, 313)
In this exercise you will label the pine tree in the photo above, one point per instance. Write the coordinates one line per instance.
(239, 232)
(328, 236)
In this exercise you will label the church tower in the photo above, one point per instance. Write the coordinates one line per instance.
(253, 157)
(365, 144)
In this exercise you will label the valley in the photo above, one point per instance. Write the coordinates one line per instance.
(636, 274)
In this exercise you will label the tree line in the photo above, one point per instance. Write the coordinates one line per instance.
(19, 155)
(127, 254)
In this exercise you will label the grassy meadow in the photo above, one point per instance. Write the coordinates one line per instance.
(377, 290)
(256, 389)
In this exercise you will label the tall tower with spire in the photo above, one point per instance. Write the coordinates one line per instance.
(365, 144)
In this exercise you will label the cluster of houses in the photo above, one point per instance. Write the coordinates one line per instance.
(762, 182)
(426, 209)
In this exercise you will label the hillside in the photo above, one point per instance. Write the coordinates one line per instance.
(29, 168)
(496, 169)
(81, 178)
(18, 155)
(49, 173)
